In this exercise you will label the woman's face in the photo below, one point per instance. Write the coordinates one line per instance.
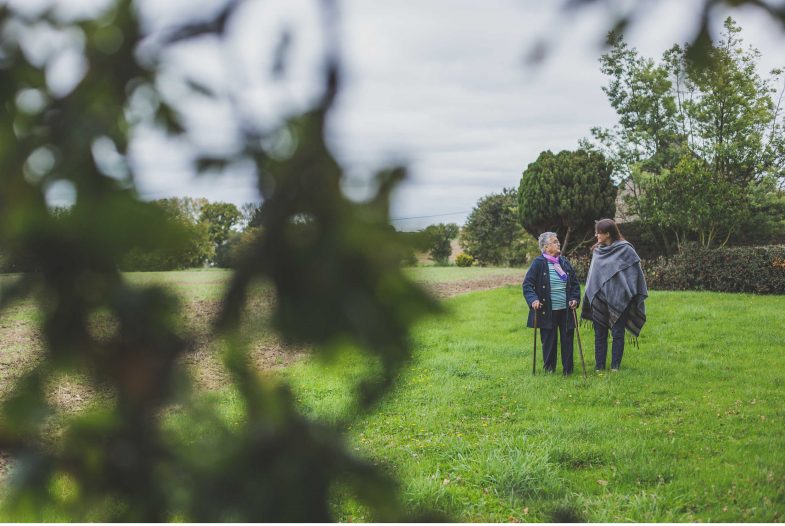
(603, 238)
(553, 248)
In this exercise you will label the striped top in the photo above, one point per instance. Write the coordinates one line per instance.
(558, 289)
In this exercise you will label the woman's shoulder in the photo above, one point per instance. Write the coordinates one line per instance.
(624, 249)
(625, 245)
(535, 264)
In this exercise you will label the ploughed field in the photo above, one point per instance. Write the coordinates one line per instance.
(200, 292)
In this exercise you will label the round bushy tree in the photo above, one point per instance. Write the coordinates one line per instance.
(492, 234)
(565, 193)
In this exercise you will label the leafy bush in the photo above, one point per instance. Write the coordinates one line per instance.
(409, 258)
(758, 269)
(581, 266)
(464, 260)
(749, 269)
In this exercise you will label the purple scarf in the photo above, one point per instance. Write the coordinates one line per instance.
(556, 266)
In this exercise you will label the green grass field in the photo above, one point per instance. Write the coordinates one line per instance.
(691, 429)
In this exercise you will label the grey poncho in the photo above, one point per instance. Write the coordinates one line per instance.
(614, 284)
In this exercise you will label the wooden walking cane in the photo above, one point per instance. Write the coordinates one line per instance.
(580, 347)
(534, 355)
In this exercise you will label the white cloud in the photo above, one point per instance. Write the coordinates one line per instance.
(441, 85)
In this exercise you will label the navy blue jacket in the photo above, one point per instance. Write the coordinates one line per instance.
(537, 286)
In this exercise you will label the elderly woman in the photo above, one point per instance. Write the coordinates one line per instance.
(615, 291)
(552, 289)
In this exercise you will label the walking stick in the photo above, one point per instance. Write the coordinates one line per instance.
(580, 347)
(534, 354)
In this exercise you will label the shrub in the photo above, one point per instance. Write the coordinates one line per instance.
(464, 260)
(581, 266)
(409, 258)
(758, 269)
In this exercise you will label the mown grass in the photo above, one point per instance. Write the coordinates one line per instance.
(691, 429)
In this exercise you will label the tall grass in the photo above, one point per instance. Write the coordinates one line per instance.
(692, 428)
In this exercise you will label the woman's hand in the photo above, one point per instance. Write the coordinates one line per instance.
(536, 304)
(573, 304)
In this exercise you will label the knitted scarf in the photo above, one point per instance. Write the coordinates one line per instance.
(556, 266)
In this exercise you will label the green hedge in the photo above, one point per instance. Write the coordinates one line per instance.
(759, 269)
(580, 265)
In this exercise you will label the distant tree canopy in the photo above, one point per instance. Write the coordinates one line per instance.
(493, 234)
(191, 247)
(439, 238)
(700, 146)
(565, 193)
(220, 219)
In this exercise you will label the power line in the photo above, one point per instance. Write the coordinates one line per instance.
(434, 215)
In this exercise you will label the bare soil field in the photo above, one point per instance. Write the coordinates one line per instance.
(21, 345)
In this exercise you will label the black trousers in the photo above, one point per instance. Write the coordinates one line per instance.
(601, 343)
(550, 337)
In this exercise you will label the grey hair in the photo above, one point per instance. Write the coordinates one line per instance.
(544, 238)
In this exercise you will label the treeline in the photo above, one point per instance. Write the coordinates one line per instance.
(197, 233)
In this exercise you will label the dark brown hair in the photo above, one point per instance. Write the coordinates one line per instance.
(607, 226)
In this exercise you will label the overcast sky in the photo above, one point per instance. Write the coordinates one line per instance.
(439, 85)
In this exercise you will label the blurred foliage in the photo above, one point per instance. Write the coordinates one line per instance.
(566, 193)
(333, 264)
(621, 16)
(494, 236)
(699, 148)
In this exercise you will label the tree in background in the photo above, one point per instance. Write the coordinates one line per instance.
(565, 193)
(697, 140)
(493, 234)
(229, 253)
(439, 238)
(220, 219)
(191, 246)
